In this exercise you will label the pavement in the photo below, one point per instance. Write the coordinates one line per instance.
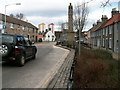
(45, 43)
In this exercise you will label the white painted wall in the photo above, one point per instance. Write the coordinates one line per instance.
(48, 36)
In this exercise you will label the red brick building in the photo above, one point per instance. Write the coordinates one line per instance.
(17, 26)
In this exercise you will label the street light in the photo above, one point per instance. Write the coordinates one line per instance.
(9, 5)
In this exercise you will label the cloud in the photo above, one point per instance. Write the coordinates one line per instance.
(55, 11)
(46, 13)
(47, 20)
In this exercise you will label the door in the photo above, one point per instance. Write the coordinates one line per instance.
(28, 47)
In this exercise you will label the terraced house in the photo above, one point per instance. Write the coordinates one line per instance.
(17, 26)
(106, 33)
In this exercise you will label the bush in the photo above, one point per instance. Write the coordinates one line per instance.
(95, 69)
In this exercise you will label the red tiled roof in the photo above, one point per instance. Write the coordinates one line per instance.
(112, 20)
(97, 27)
(94, 28)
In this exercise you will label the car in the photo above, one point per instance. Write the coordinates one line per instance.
(17, 48)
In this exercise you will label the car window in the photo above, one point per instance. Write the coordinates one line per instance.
(20, 40)
(6, 38)
(27, 42)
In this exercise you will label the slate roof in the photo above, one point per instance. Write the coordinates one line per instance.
(17, 21)
(115, 18)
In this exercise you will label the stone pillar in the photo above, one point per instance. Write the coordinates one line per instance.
(70, 33)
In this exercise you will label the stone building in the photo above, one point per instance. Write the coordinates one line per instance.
(105, 35)
(17, 26)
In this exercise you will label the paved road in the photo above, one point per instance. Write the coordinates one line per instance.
(35, 73)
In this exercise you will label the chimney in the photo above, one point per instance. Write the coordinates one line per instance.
(98, 22)
(104, 18)
(113, 12)
(94, 24)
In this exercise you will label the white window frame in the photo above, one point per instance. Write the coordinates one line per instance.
(106, 29)
(110, 43)
(103, 42)
(110, 29)
(11, 25)
(23, 28)
(1, 24)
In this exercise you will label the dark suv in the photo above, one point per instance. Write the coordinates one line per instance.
(16, 48)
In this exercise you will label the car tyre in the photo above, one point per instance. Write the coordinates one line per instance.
(5, 49)
(21, 61)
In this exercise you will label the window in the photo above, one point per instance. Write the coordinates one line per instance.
(11, 25)
(106, 31)
(103, 31)
(26, 28)
(103, 42)
(27, 41)
(36, 31)
(110, 42)
(20, 40)
(23, 28)
(33, 30)
(5, 38)
(117, 44)
(110, 29)
(1, 24)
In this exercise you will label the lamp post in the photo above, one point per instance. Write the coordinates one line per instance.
(9, 5)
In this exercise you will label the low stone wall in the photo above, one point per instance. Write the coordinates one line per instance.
(61, 79)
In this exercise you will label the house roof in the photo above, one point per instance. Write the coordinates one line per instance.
(93, 28)
(17, 21)
(115, 18)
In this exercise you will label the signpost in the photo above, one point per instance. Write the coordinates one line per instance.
(4, 27)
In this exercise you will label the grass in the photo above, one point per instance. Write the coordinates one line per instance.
(96, 69)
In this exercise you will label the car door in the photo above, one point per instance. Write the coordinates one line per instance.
(28, 47)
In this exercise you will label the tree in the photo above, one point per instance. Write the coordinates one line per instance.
(81, 13)
(104, 4)
(20, 16)
(12, 15)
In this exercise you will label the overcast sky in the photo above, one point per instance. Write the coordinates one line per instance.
(55, 11)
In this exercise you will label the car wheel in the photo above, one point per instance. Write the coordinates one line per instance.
(21, 61)
(5, 49)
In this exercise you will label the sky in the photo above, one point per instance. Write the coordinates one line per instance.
(55, 11)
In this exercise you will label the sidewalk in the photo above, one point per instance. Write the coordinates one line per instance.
(44, 43)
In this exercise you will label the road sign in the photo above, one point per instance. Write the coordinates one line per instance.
(4, 27)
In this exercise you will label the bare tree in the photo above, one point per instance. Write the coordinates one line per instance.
(20, 16)
(105, 3)
(12, 15)
(81, 13)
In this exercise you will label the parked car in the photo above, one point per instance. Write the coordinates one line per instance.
(16, 48)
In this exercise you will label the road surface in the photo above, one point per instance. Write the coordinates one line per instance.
(36, 73)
